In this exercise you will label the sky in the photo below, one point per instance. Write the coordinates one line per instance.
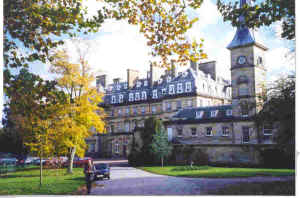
(118, 46)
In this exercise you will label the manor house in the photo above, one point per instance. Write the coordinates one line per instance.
(197, 106)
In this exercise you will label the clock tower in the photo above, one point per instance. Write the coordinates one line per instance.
(248, 72)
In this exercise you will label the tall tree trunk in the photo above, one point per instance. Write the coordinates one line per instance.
(41, 169)
(162, 161)
(71, 159)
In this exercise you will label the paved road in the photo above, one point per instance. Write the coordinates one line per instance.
(131, 181)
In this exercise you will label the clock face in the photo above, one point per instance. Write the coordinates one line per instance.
(241, 60)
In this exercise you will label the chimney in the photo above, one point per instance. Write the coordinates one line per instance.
(116, 80)
(155, 73)
(101, 81)
(132, 76)
(173, 70)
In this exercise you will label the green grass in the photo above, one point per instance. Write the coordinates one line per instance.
(55, 182)
(216, 172)
(258, 188)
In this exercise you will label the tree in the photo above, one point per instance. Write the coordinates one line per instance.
(279, 107)
(81, 113)
(264, 13)
(160, 145)
(33, 104)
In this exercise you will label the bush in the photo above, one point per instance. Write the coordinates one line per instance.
(276, 158)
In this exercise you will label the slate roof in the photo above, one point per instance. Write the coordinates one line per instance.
(242, 37)
(190, 113)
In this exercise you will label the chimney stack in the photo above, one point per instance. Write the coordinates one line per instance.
(101, 82)
(116, 80)
(132, 76)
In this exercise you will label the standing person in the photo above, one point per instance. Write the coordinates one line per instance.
(88, 171)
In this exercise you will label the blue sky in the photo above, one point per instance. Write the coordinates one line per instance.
(118, 46)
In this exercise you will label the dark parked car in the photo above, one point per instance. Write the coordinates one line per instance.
(102, 171)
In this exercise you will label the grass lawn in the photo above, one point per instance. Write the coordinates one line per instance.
(55, 182)
(258, 188)
(216, 172)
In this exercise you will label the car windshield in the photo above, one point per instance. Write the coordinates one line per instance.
(101, 166)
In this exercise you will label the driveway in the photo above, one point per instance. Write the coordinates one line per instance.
(127, 180)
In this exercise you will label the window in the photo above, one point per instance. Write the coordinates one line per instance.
(153, 109)
(113, 99)
(127, 110)
(267, 129)
(171, 89)
(225, 131)
(134, 110)
(127, 126)
(209, 131)
(179, 131)
(144, 95)
(91, 147)
(246, 135)
(228, 112)
(214, 113)
(138, 84)
(244, 110)
(199, 114)
(169, 106)
(164, 91)
(112, 112)
(154, 93)
(178, 105)
(130, 97)
(243, 91)
(190, 103)
(137, 96)
(125, 86)
(169, 79)
(118, 126)
(118, 86)
(120, 112)
(193, 131)
(120, 98)
(188, 87)
(143, 110)
(145, 83)
(117, 148)
(179, 88)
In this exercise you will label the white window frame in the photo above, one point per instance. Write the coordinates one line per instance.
(213, 113)
(137, 96)
(121, 98)
(144, 95)
(125, 86)
(199, 114)
(195, 132)
(113, 99)
(171, 89)
(169, 79)
(117, 148)
(211, 131)
(188, 86)
(145, 83)
(179, 88)
(268, 129)
(227, 131)
(131, 97)
(229, 112)
(138, 84)
(164, 91)
(154, 93)
(118, 86)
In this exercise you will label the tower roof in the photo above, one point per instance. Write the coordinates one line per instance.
(243, 36)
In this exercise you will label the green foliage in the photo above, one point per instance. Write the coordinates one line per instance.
(279, 108)
(264, 13)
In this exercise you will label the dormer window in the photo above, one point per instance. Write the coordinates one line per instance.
(120, 98)
(137, 96)
(154, 93)
(130, 97)
(188, 87)
(171, 89)
(228, 112)
(199, 114)
(138, 84)
(118, 86)
(214, 113)
(113, 99)
(160, 81)
(164, 91)
(184, 74)
(145, 83)
(144, 95)
(179, 88)
(125, 86)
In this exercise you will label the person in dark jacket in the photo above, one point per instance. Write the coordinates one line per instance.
(88, 171)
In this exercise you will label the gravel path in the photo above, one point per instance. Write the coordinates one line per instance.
(132, 181)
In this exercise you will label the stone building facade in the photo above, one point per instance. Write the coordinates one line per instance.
(197, 106)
